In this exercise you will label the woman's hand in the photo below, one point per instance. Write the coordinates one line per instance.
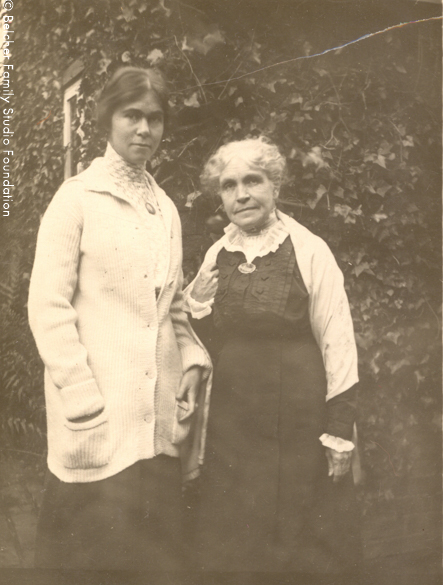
(188, 391)
(205, 286)
(338, 463)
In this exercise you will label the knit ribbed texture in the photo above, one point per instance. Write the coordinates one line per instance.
(105, 339)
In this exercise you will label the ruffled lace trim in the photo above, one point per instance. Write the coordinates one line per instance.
(255, 246)
(132, 180)
(120, 169)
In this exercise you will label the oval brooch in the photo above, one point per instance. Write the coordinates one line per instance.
(247, 267)
(150, 208)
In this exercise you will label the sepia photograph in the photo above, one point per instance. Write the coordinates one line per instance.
(221, 292)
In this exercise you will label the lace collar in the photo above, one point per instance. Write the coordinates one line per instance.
(121, 170)
(255, 246)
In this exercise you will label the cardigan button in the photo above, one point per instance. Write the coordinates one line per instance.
(148, 418)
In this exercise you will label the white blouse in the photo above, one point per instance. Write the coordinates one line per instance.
(132, 180)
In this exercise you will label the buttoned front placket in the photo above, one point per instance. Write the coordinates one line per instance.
(146, 397)
(148, 404)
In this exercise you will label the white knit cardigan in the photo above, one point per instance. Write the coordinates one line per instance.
(106, 341)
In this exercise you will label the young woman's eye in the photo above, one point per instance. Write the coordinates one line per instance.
(133, 116)
(156, 118)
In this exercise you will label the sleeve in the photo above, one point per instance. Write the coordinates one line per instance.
(192, 351)
(340, 421)
(198, 310)
(195, 308)
(51, 315)
(331, 321)
(341, 414)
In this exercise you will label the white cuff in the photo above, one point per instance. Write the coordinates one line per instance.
(337, 443)
(194, 355)
(199, 310)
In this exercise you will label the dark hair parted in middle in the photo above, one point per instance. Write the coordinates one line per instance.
(126, 85)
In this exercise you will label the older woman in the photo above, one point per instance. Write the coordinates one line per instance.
(122, 365)
(276, 489)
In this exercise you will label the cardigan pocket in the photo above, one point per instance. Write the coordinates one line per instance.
(86, 445)
(180, 428)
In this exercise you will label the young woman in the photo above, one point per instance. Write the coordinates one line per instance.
(122, 365)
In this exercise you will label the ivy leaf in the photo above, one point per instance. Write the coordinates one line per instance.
(162, 8)
(127, 13)
(155, 55)
(319, 194)
(339, 192)
(393, 336)
(126, 57)
(363, 267)
(383, 190)
(192, 102)
(203, 43)
(395, 365)
(103, 65)
(380, 161)
(295, 99)
(315, 157)
(191, 198)
(270, 86)
(373, 365)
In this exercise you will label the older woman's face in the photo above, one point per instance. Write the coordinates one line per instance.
(248, 195)
(137, 129)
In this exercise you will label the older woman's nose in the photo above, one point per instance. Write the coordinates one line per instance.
(242, 194)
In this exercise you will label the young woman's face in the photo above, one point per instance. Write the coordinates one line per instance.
(137, 129)
(248, 195)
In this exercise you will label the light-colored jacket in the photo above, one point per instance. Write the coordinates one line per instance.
(329, 312)
(106, 341)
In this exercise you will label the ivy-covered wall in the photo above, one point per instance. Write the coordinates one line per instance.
(361, 129)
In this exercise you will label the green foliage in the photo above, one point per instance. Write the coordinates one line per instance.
(360, 128)
(22, 412)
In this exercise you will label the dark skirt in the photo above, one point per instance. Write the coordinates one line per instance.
(130, 521)
(267, 501)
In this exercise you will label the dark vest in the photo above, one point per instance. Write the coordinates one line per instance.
(272, 300)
